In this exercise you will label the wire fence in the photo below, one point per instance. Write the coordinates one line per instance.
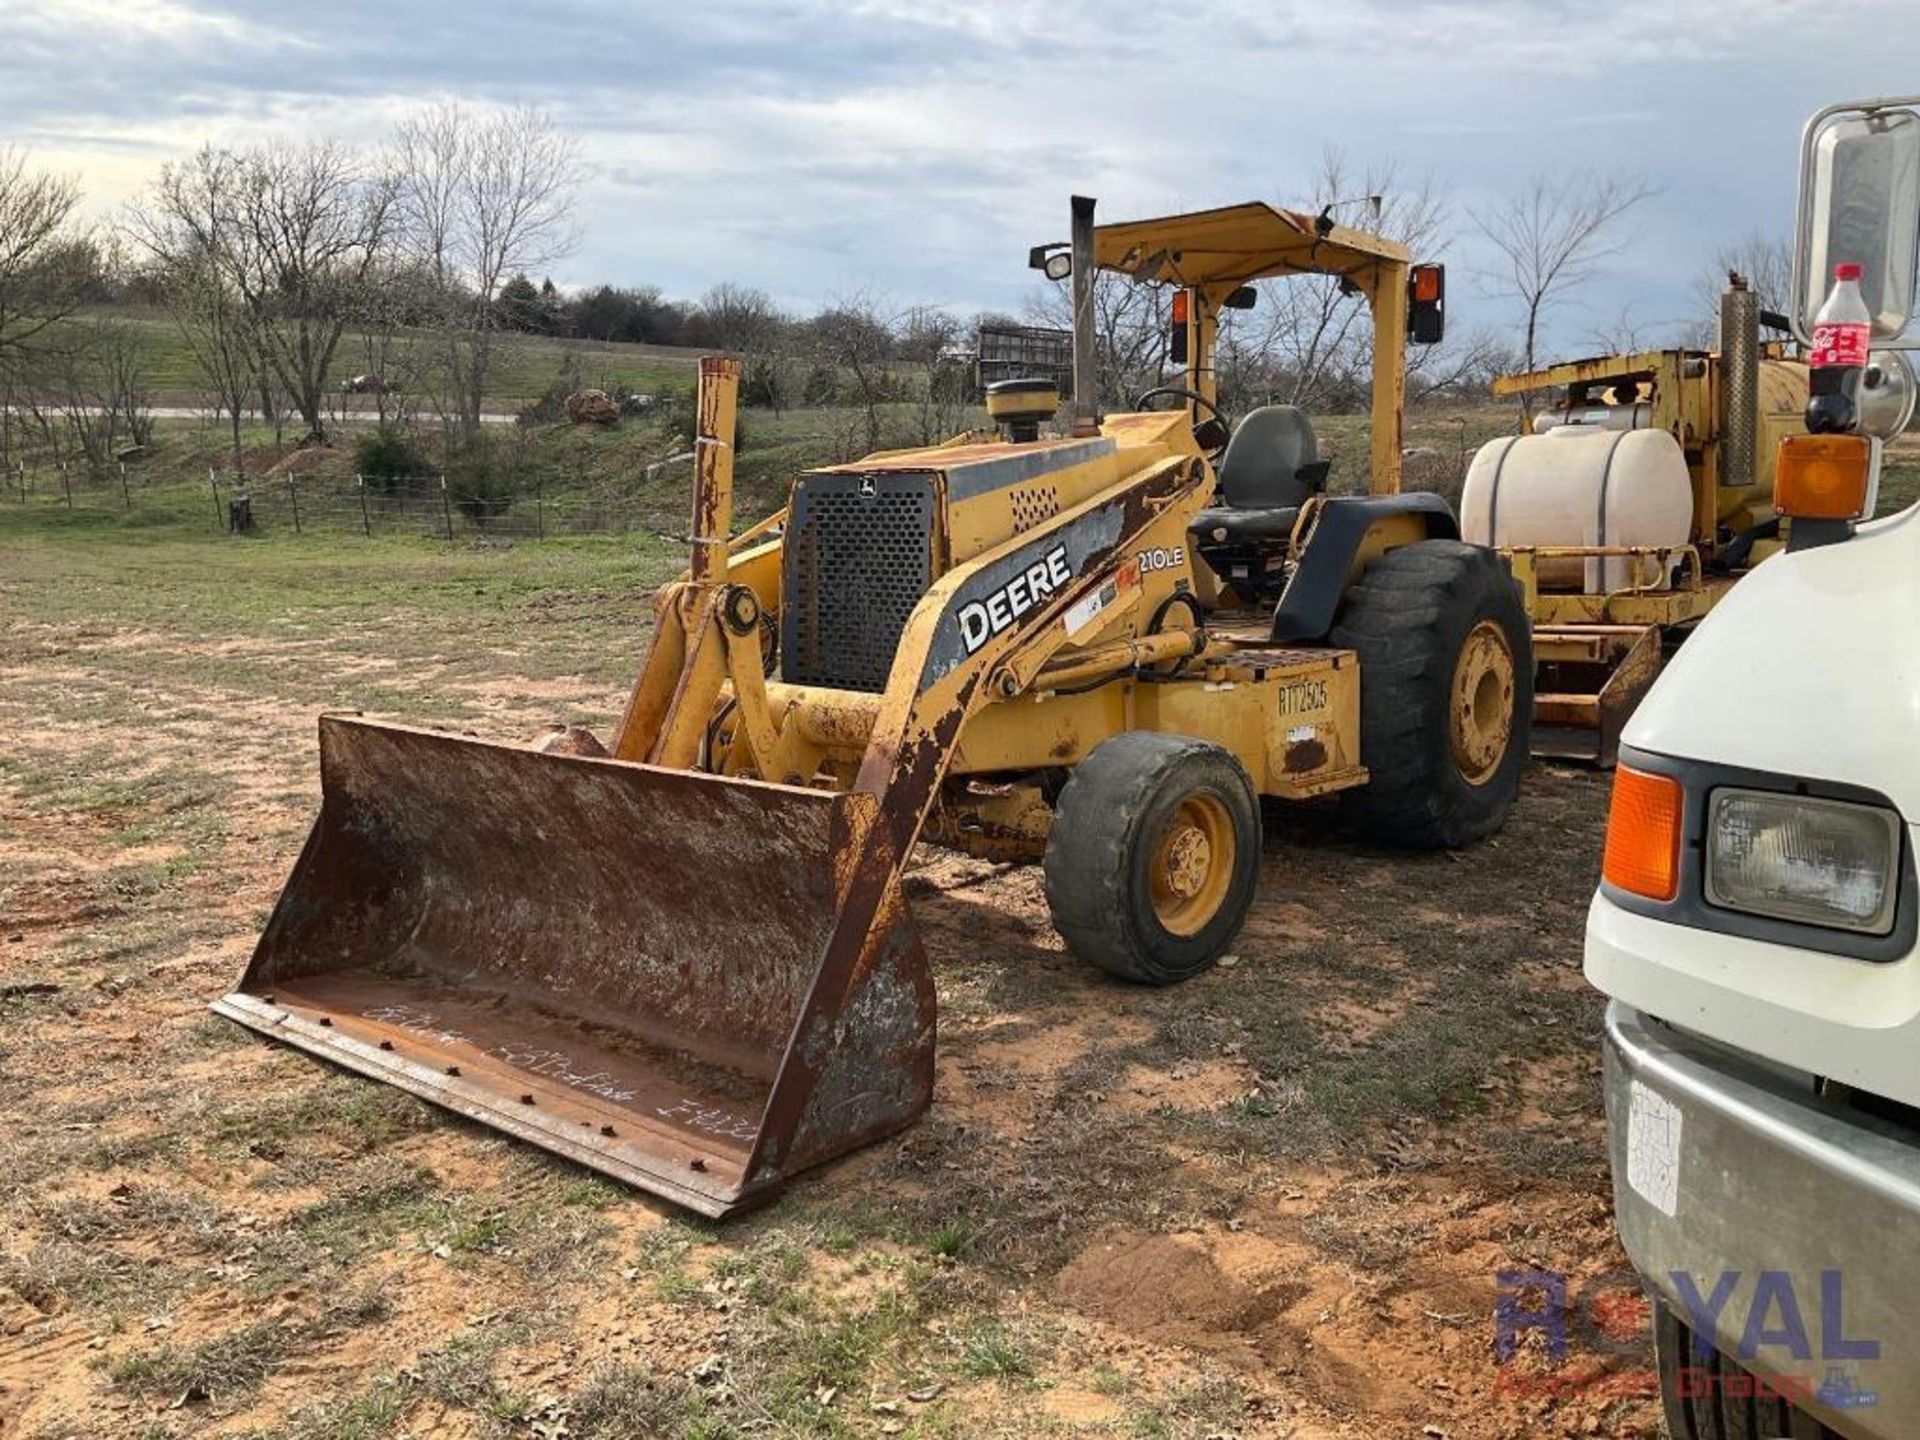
(426, 506)
(69, 486)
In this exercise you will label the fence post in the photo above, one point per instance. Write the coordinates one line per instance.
(66, 486)
(293, 496)
(446, 508)
(23, 482)
(125, 494)
(539, 507)
(219, 519)
(366, 521)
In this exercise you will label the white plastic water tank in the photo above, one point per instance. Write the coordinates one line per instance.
(1580, 485)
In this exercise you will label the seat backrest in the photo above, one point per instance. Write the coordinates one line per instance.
(1269, 448)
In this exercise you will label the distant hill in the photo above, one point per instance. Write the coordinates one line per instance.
(525, 365)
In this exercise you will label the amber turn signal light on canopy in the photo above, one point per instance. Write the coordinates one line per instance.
(1643, 834)
(1822, 477)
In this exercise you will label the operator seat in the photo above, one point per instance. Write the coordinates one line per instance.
(1271, 468)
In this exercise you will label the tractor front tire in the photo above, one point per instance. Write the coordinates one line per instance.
(1705, 1395)
(1446, 693)
(1153, 856)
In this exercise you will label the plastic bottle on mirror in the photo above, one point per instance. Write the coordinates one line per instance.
(1842, 332)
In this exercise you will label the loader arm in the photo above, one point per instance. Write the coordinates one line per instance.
(939, 679)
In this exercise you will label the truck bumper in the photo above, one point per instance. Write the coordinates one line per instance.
(1785, 1226)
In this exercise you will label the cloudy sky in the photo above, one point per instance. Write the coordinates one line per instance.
(915, 148)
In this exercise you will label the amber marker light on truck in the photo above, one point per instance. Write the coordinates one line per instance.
(1822, 477)
(1643, 834)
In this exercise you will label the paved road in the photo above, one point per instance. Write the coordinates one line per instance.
(207, 412)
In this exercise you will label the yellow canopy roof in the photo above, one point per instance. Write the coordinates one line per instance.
(1236, 244)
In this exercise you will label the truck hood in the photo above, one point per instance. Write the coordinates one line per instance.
(1810, 667)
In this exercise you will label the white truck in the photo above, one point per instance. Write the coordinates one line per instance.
(1755, 926)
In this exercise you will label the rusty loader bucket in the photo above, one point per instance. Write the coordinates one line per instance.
(695, 984)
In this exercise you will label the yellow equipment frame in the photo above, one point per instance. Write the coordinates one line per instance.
(1598, 653)
(1212, 253)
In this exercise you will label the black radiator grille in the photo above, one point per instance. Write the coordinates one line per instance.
(856, 565)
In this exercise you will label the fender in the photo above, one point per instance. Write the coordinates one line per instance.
(1320, 577)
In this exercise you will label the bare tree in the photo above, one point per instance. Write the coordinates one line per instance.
(1767, 264)
(926, 337)
(1625, 334)
(737, 317)
(1552, 238)
(855, 336)
(43, 263)
(745, 321)
(483, 197)
(1464, 365)
(298, 234)
(1315, 335)
(221, 337)
(206, 307)
(386, 354)
(97, 381)
(1129, 331)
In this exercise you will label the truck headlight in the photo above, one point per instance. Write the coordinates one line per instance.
(1814, 862)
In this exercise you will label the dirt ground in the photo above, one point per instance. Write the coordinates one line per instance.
(1275, 1201)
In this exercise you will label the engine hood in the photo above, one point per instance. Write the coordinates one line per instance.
(1810, 666)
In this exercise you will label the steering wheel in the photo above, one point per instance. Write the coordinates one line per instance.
(1210, 434)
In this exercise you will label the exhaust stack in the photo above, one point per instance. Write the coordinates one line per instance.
(1739, 381)
(1086, 399)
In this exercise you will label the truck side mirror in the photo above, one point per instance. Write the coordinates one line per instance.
(1860, 204)
(1426, 304)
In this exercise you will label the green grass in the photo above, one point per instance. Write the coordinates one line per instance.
(571, 481)
(952, 1237)
(372, 1414)
(990, 1350)
(524, 365)
(260, 618)
(236, 1362)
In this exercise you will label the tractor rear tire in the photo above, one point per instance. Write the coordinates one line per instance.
(1446, 693)
(1153, 856)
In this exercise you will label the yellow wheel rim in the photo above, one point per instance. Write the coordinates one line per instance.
(1480, 715)
(1192, 865)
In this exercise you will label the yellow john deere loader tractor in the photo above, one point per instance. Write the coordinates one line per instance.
(1638, 500)
(689, 962)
